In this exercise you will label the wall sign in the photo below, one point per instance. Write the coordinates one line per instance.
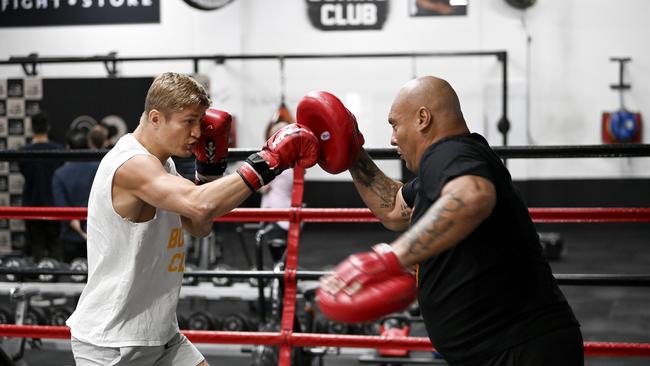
(347, 14)
(26, 13)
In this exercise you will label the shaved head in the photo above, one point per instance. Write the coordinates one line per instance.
(436, 95)
(425, 110)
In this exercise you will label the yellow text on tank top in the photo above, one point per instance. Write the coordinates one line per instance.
(176, 241)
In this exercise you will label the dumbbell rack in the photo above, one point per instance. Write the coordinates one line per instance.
(49, 295)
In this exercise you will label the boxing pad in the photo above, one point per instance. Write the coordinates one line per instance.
(375, 285)
(335, 127)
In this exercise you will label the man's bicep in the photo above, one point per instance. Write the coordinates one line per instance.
(144, 177)
(474, 191)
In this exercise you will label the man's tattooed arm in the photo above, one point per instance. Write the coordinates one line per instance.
(380, 193)
(465, 202)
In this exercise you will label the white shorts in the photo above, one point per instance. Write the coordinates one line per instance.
(178, 351)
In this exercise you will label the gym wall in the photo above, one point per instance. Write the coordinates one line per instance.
(559, 82)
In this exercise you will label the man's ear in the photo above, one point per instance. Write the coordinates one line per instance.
(425, 118)
(155, 117)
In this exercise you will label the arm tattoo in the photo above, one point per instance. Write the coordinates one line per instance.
(435, 223)
(366, 173)
(405, 211)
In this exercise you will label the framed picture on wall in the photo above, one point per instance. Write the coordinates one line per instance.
(426, 8)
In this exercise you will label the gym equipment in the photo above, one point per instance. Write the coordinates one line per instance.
(221, 281)
(189, 280)
(6, 316)
(394, 327)
(552, 245)
(521, 4)
(79, 264)
(18, 263)
(622, 125)
(182, 321)
(236, 322)
(49, 263)
(59, 314)
(200, 320)
(35, 316)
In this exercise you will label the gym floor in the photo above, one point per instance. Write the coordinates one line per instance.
(614, 314)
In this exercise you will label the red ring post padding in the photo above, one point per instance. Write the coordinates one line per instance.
(600, 349)
(298, 214)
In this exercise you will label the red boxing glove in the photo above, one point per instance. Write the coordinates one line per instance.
(211, 150)
(291, 145)
(376, 285)
(336, 128)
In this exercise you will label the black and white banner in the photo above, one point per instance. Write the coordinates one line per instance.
(27, 13)
(347, 14)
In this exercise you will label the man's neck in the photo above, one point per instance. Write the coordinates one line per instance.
(40, 137)
(144, 138)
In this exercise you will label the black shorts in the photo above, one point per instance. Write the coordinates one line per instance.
(562, 347)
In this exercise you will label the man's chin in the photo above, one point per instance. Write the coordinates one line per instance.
(184, 154)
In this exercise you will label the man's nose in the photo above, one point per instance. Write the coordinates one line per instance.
(196, 130)
(393, 141)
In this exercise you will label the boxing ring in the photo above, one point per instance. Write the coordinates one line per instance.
(286, 338)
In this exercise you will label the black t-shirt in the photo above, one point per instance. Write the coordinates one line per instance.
(37, 190)
(494, 289)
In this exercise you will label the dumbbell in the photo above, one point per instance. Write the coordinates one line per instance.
(18, 263)
(372, 328)
(35, 316)
(552, 245)
(201, 320)
(189, 280)
(182, 321)
(6, 316)
(253, 281)
(79, 264)
(236, 322)
(335, 327)
(221, 281)
(49, 263)
(59, 314)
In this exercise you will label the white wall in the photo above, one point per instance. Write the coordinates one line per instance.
(561, 97)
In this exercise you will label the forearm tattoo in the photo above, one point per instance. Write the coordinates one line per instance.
(435, 223)
(365, 172)
(405, 211)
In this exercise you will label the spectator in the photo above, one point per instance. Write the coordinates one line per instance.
(37, 191)
(71, 187)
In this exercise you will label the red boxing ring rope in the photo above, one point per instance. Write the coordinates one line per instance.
(602, 349)
(286, 338)
(297, 214)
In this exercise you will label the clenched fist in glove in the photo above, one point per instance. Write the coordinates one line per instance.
(211, 150)
(291, 145)
(366, 286)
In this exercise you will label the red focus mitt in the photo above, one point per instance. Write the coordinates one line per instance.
(336, 129)
(374, 285)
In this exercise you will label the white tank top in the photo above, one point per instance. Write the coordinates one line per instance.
(134, 269)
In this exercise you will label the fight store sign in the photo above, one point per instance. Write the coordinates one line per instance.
(27, 13)
(347, 14)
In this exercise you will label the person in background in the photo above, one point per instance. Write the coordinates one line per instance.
(41, 235)
(71, 187)
(277, 194)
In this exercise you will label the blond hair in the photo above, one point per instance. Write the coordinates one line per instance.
(171, 92)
